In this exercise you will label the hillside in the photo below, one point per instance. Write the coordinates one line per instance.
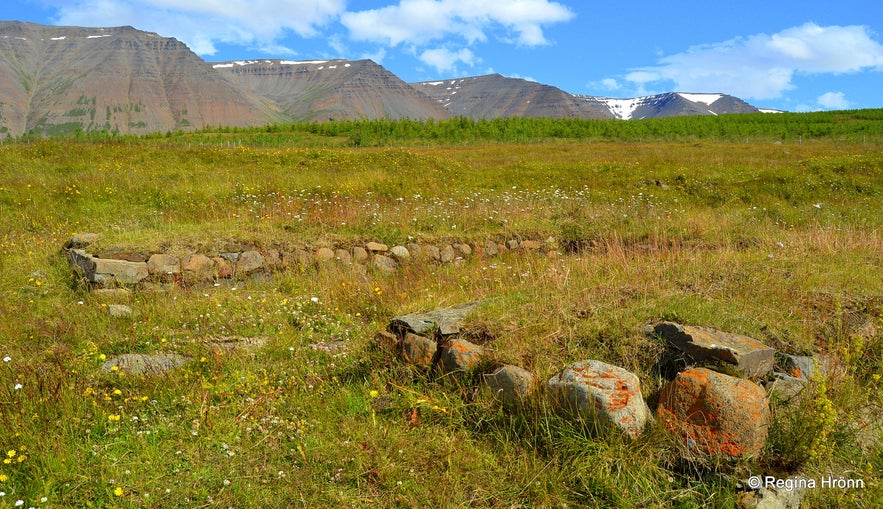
(56, 80)
(496, 96)
(336, 89)
(63, 80)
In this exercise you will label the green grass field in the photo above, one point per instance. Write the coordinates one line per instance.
(764, 227)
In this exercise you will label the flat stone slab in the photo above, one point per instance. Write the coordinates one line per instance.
(608, 394)
(714, 413)
(448, 321)
(106, 271)
(145, 364)
(747, 355)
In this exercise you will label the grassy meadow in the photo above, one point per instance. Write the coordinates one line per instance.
(765, 225)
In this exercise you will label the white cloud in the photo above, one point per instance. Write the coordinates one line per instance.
(203, 23)
(422, 21)
(763, 66)
(833, 101)
(445, 60)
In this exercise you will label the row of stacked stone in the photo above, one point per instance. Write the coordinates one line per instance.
(117, 267)
(711, 412)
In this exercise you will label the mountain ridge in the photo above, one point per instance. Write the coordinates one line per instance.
(60, 80)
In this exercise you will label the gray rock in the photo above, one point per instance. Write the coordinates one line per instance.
(491, 249)
(400, 253)
(448, 321)
(119, 311)
(512, 244)
(163, 264)
(343, 256)
(797, 366)
(432, 252)
(415, 250)
(384, 263)
(747, 355)
(464, 249)
(530, 245)
(230, 256)
(606, 394)
(323, 254)
(376, 247)
(360, 255)
(447, 254)
(249, 262)
(145, 364)
(510, 385)
(105, 272)
(785, 388)
(459, 354)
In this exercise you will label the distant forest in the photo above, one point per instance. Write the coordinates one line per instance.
(851, 126)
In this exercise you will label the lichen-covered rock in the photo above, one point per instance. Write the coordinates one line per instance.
(198, 267)
(717, 414)
(459, 354)
(510, 385)
(797, 366)
(417, 350)
(343, 256)
(607, 394)
(703, 344)
(223, 268)
(447, 254)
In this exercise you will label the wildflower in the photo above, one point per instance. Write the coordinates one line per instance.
(17, 386)
(11, 453)
(113, 417)
(118, 491)
(102, 357)
(4, 478)
(374, 394)
(7, 359)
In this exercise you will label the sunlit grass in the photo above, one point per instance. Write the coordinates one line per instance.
(780, 242)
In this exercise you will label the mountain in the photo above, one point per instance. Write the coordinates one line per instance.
(331, 89)
(496, 96)
(56, 80)
(60, 80)
(672, 104)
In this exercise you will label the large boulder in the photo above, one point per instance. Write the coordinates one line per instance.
(714, 413)
(606, 394)
(703, 344)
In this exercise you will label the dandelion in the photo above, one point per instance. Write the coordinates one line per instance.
(4, 478)
(374, 394)
(118, 491)
(11, 453)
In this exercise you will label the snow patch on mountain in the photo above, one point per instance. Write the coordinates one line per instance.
(708, 99)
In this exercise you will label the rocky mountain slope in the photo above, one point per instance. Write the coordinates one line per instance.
(331, 89)
(60, 80)
(496, 96)
(56, 80)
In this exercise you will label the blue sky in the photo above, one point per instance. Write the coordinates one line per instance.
(811, 55)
